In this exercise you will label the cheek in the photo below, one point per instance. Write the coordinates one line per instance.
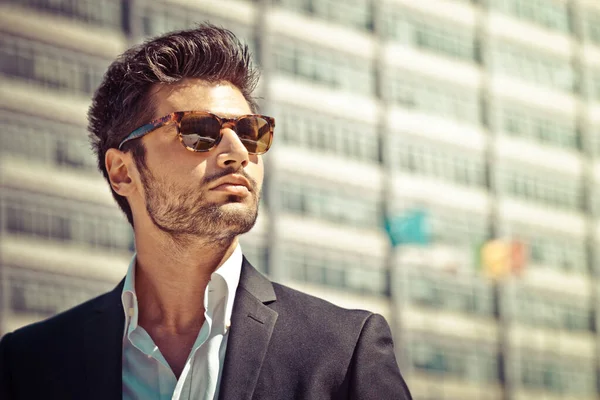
(257, 171)
(177, 164)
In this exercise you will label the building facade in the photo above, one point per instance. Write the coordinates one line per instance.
(486, 113)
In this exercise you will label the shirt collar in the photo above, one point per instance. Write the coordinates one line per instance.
(229, 271)
(129, 299)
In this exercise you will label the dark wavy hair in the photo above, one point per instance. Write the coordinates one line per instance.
(123, 101)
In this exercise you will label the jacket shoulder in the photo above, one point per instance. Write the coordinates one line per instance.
(318, 314)
(326, 348)
(61, 324)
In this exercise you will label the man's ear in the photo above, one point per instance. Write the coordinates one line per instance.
(119, 167)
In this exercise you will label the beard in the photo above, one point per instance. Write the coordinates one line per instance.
(183, 212)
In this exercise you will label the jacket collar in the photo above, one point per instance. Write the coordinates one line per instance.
(252, 324)
(256, 284)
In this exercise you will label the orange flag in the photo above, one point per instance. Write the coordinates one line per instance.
(500, 258)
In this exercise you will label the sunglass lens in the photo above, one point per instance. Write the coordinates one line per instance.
(255, 134)
(199, 132)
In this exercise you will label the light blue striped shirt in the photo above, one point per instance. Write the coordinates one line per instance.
(146, 373)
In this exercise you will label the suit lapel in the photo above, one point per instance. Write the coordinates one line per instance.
(104, 348)
(252, 324)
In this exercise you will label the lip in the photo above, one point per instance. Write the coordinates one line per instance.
(233, 189)
(235, 184)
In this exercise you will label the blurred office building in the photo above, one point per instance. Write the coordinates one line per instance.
(485, 114)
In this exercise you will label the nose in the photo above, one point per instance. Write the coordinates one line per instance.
(231, 151)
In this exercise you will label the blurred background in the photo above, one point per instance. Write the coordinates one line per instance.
(435, 161)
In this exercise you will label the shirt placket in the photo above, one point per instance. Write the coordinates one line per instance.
(184, 385)
(166, 379)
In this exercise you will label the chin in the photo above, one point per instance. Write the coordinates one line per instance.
(239, 205)
(232, 198)
(238, 216)
(238, 208)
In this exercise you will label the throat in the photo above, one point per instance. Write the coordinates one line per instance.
(175, 349)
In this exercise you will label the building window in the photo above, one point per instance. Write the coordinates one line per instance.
(50, 66)
(420, 156)
(354, 272)
(595, 203)
(553, 311)
(594, 85)
(552, 249)
(540, 186)
(327, 133)
(548, 14)
(556, 374)
(445, 357)
(157, 19)
(106, 13)
(427, 95)
(352, 13)
(323, 200)
(449, 225)
(532, 65)
(595, 133)
(428, 34)
(458, 227)
(535, 125)
(324, 66)
(256, 252)
(53, 218)
(591, 23)
(46, 294)
(439, 292)
(47, 142)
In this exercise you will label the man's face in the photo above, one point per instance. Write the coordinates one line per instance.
(200, 194)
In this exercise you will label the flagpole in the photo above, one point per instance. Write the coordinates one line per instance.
(385, 135)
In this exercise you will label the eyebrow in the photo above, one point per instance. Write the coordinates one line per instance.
(222, 115)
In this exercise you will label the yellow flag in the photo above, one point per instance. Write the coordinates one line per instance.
(496, 259)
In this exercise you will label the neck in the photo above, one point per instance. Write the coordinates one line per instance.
(171, 278)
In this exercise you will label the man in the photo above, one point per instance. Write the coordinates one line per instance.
(179, 141)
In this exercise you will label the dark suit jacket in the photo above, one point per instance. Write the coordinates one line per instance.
(283, 344)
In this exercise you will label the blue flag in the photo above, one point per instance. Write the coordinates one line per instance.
(409, 228)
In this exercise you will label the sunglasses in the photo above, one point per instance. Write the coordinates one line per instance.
(201, 131)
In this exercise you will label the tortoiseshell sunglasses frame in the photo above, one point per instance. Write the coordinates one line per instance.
(176, 118)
